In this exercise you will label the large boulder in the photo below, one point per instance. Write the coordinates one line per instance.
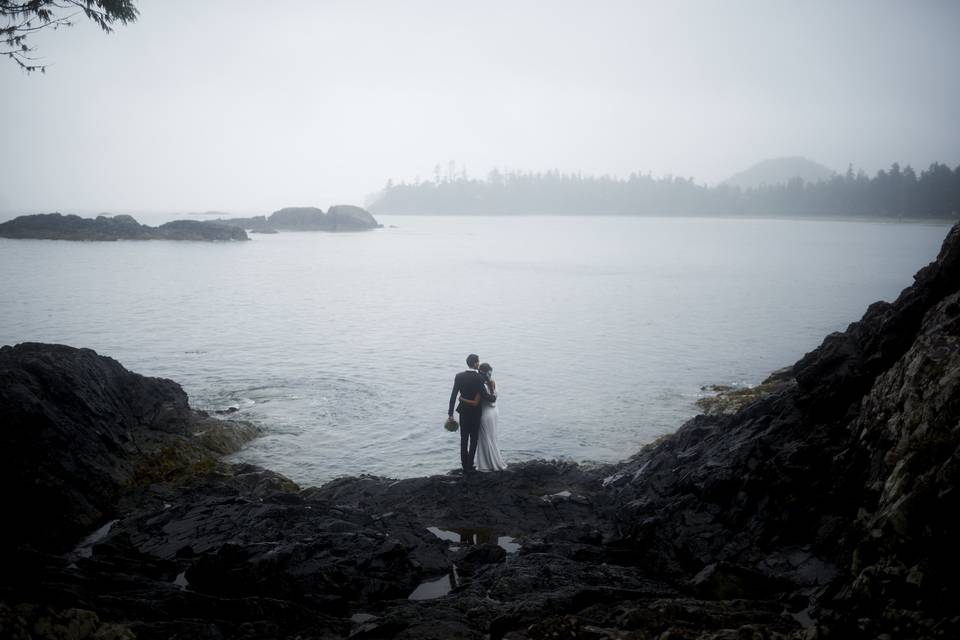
(341, 217)
(345, 217)
(78, 430)
(298, 219)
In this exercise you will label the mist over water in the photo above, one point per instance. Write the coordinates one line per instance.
(343, 347)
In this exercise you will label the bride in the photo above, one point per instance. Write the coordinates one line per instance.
(488, 453)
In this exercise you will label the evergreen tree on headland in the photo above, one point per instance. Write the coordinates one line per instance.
(22, 18)
(893, 193)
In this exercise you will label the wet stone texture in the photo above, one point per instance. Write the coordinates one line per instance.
(823, 507)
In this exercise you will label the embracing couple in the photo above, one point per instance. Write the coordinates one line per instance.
(478, 416)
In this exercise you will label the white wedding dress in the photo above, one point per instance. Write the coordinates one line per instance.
(488, 453)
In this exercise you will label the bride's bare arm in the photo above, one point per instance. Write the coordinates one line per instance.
(472, 403)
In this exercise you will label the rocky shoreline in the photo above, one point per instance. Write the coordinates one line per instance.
(819, 507)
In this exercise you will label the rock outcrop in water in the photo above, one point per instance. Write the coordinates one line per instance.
(823, 508)
(341, 217)
(79, 430)
(54, 226)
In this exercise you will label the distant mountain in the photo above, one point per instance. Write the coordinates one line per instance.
(779, 171)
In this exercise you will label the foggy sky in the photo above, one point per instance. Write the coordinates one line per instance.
(247, 107)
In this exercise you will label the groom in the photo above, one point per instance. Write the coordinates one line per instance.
(468, 384)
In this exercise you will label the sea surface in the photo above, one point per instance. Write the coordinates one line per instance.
(343, 347)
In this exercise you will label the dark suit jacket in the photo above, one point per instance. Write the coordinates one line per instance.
(468, 383)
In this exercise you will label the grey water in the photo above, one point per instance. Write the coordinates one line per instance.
(601, 331)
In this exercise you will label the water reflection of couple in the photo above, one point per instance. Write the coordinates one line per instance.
(478, 416)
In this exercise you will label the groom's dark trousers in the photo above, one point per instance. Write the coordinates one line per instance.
(469, 430)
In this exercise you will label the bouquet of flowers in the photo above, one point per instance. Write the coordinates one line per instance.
(451, 424)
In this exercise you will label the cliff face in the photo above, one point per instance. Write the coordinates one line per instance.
(843, 482)
(825, 509)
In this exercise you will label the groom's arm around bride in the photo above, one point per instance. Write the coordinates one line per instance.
(467, 384)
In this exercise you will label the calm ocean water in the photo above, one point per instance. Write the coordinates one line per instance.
(343, 347)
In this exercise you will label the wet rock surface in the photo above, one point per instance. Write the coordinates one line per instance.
(821, 508)
(55, 226)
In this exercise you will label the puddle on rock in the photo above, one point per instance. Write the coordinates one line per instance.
(475, 536)
(360, 618)
(181, 581)
(430, 589)
(85, 548)
(509, 544)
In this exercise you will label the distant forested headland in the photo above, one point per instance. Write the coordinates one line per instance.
(898, 192)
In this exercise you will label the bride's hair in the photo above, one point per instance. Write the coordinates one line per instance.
(486, 368)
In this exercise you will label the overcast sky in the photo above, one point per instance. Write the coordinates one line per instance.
(247, 107)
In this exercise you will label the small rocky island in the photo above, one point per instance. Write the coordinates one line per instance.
(822, 506)
(55, 226)
(341, 217)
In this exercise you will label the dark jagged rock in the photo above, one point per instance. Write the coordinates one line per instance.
(79, 429)
(54, 226)
(821, 507)
(838, 487)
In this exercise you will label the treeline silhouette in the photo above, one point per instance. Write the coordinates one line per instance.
(893, 193)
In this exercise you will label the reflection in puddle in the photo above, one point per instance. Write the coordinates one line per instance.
(181, 581)
(509, 544)
(476, 536)
(443, 534)
(360, 618)
(85, 548)
(430, 589)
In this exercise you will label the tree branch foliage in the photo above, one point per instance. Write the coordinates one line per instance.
(19, 19)
(893, 193)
